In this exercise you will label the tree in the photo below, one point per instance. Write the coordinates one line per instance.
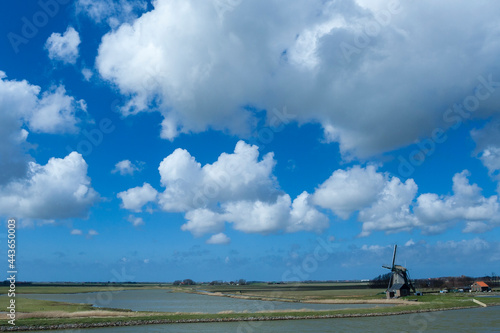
(188, 282)
(177, 282)
(381, 281)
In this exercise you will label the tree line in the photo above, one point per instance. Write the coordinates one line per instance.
(189, 282)
(450, 282)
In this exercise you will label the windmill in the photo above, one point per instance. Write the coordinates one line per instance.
(399, 282)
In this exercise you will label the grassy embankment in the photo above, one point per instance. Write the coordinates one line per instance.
(44, 313)
(297, 291)
(79, 288)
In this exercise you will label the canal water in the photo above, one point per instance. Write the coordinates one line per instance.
(164, 301)
(477, 320)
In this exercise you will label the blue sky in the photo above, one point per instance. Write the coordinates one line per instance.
(228, 139)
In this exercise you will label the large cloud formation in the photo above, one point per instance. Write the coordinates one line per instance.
(59, 189)
(359, 68)
(237, 176)
(384, 203)
(238, 189)
(466, 204)
(22, 103)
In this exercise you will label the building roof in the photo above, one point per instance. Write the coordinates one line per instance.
(398, 286)
(481, 284)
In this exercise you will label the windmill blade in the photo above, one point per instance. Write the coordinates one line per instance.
(394, 255)
(412, 287)
(387, 267)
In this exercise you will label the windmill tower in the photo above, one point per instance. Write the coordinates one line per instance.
(399, 282)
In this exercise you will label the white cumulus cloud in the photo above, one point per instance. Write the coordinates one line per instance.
(270, 217)
(60, 189)
(23, 104)
(238, 189)
(219, 239)
(347, 191)
(488, 148)
(136, 221)
(410, 243)
(202, 221)
(382, 203)
(56, 112)
(92, 233)
(125, 167)
(111, 11)
(135, 198)
(237, 176)
(385, 203)
(391, 211)
(467, 203)
(87, 74)
(64, 47)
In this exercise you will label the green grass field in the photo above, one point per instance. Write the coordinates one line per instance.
(77, 288)
(27, 305)
(309, 291)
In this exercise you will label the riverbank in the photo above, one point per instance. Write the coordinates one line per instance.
(297, 296)
(306, 301)
(217, 319)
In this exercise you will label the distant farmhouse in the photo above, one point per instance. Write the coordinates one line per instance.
(480, 286)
